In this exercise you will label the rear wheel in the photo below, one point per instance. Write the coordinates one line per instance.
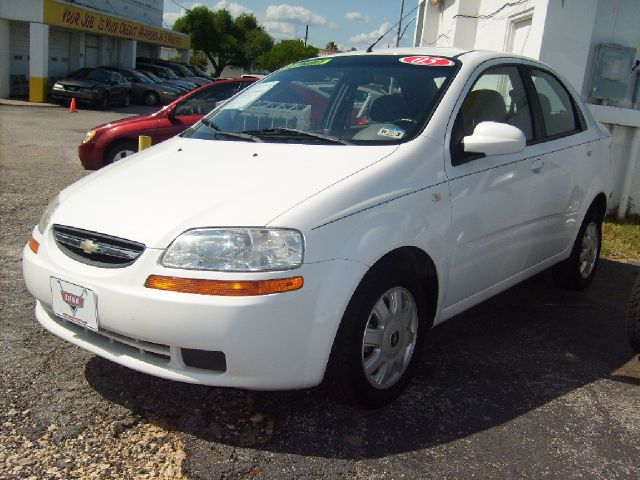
(120, 150)
(633, 317)
(126, 101)
(377, 347)
(576, 272)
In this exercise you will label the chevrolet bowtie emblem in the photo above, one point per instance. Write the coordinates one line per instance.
(89, 246)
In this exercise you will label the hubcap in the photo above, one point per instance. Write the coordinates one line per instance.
(389, 338)
(122, 154)
(589, 250)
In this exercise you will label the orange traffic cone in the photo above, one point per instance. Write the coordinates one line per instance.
(72, 107)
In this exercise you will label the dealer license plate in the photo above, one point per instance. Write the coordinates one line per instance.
(74, 303)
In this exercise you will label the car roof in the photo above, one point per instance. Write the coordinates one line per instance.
(466, 56)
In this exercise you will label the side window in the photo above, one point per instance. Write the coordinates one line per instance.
(497, 96)
(555, 103)
(202, 102)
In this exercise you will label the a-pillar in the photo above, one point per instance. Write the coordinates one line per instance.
(5, 76)
(127, 54)
(38, 61)
(185, 55)
(76, 55)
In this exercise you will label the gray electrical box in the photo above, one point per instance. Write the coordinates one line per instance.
(611, 73)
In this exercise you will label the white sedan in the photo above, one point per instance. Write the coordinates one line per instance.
(317, 225)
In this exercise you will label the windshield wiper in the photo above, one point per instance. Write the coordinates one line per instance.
(294, 132)
(216, 129)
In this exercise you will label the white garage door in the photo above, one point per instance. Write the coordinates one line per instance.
(91, 51)
(19, 48)
(145, 50)
(59, 44)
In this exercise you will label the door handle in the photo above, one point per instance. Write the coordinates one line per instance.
(537, 165)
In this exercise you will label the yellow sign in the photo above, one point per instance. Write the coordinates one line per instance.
(68, 16)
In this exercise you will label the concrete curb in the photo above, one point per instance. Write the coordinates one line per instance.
(24, 103)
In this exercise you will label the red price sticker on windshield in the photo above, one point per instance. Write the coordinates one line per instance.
(427, 61)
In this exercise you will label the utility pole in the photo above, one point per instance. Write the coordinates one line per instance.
(306, 34)
(400, 23)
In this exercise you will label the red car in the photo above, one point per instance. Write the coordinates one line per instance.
(113, 141)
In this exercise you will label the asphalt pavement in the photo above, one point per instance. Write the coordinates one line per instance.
(535, 383)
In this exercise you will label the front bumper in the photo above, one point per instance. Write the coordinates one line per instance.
(79, 95)
(279, 341)
(91, 155)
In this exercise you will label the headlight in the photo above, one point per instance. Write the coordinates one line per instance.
(48, 213)
(57, 86)
(236, 249)
(90, 134)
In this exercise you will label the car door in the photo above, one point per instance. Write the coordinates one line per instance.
(493, 200)
(562, 158)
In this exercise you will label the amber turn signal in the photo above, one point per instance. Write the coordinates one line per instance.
(240, 288)
(33, 245)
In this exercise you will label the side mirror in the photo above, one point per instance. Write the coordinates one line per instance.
(171, 111)
(493, 138)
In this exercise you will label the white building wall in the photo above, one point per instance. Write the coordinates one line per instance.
(147, 11)
(617, 22)
(568, 31)
(21, 10)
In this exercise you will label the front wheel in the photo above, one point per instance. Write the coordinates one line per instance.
(151, 99)
(633, 318)
(378, 344)
(120, 150)
(126, 101)
(576, 272)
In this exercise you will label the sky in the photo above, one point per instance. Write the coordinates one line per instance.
(348, 23)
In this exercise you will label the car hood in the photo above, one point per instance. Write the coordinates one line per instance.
(123, 121)
(155, 195)
(80, 82)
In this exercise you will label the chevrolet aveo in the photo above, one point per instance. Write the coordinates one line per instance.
(317, 225)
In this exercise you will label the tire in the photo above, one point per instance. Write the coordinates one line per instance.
(120, 150)
(373, 359)
(633, 318)
(151, 99)
(577, 272)
(126, 101)
(103, 103)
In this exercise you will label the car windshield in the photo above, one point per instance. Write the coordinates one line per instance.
(142, 78)
(152, 76)
(363, 99)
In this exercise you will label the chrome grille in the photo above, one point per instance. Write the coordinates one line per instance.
(96, 249)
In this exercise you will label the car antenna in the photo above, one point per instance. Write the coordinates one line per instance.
(370, 49)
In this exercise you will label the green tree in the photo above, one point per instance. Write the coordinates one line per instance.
(331, 46)
(223, 40)
(284, 53)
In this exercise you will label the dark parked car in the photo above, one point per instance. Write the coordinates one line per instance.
(165, 74)
(146, 91)
(180, 71)
(115, 140)
(162, 81)
(633, 317)
(195, 70)
(93, 85)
